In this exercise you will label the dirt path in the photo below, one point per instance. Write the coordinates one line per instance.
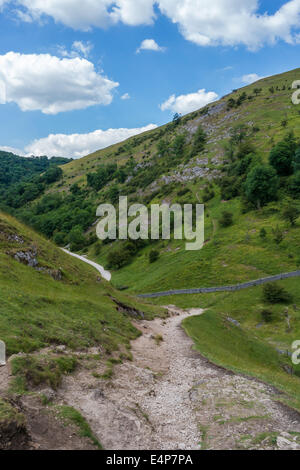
(169, 397)
(105, 274)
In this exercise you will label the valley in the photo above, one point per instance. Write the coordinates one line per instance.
(91, 362)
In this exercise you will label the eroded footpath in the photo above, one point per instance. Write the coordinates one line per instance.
(169, 397)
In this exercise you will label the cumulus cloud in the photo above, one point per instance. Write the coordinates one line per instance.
(232, 22)
(50, 84)
(250, 78)
(184, 104)
(79, 145)
(94, 13)
(150, 45)
(206, 23)
(126, 96)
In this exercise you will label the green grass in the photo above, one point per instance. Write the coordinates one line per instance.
(35, 370)
(251, 348)
(71, 416)
(37, 311)
(9, 414)
(232, 255)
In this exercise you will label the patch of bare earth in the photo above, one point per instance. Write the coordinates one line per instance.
(42, 430)
(169, 397)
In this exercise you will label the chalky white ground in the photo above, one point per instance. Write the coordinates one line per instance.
(169, 397)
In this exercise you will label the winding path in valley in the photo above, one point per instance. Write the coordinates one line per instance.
(105, 274)
(171, 398)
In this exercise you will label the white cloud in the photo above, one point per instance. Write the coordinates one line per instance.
(126, 96)
(93, 13)
(204, 22)
(79, 145)
(78, 49)
(150, 45)
(14, 150)
(232, 22)
(250, 78)
(83, 48)
(184, 104)
(52, 85)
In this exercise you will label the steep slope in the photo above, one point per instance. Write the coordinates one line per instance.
(187, 161)
(56, 315)
(47, 297)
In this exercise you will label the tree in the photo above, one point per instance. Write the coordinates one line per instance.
(278, 234)
(267, 316)
(163, 147)
(76, 238)
(60, 238)
(273, 294)
(52, 175)
(178, 144)
(294, 185)
(281, 158)
(263, 233)
(296, 161)
(291, 213)
(118, 258)
(176, 118)
(153, 256)
(199, 141)
(226, 219)
(239, 133)
(261, 185)
(75, 189)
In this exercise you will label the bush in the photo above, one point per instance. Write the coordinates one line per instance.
(118, 258)
(267, 316)
(290, 213)
(273, 294)
(59, 238)
(278, 235)
(226, 219)
(76, 238)
(261, 185)
(294, 185)
(153, 256)
(263, 233)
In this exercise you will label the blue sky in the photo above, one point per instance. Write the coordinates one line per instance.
(65, 66)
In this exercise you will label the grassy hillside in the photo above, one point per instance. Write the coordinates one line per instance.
(59, 300)
(265, 111)
(205, 156)
(235, 333)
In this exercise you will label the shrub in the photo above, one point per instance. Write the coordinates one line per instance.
(273, 294)
(153, 256)
(263, 233)
(261, 185)
(226, 219)
(59, 238)
(278, 235)
(118, 258)
(76, 238)
(294, 185)
(267, 316)
(290, 213)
